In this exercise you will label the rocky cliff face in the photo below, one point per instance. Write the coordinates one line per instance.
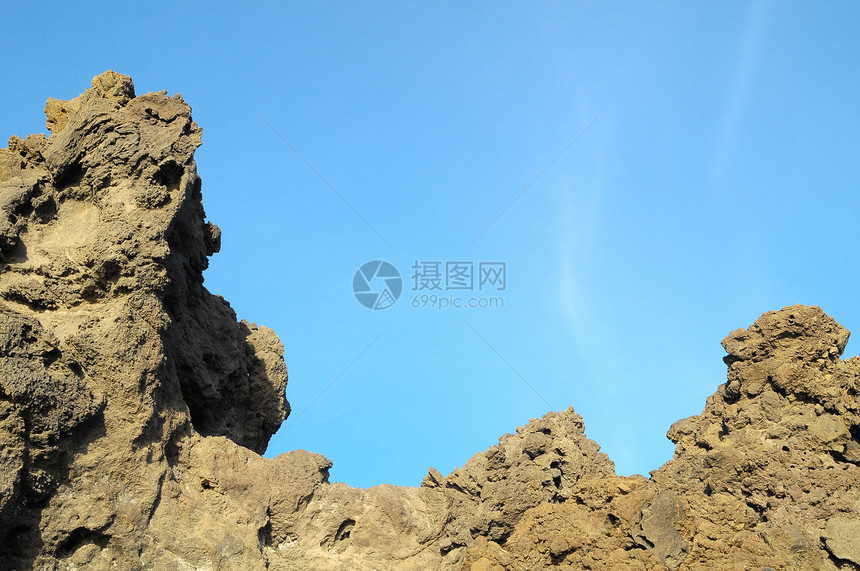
(134, 407)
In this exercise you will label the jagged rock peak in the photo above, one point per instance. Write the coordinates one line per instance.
(113, 353)
(767, 477)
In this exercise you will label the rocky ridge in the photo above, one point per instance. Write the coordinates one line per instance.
(134, 408)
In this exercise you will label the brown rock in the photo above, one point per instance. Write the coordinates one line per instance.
(112, 351)
(842, 538)
(659, 529)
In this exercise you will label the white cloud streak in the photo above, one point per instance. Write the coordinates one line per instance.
(749, 55)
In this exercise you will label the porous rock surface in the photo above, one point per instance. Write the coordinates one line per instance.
(134, 408)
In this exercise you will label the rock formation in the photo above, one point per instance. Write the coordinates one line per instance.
(134, 408)
(767, 477)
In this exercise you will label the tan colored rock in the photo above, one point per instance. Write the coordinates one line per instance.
(659, 529)
(112, 352)
(842, 538)
(767, 469)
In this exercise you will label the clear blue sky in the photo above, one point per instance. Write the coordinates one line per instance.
(719, 182)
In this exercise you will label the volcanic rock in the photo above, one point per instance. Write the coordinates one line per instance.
(134, 408)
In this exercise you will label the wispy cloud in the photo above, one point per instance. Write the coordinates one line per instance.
(580, 223)
(749, 55)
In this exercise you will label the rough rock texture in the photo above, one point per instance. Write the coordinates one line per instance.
(768, 476)
(114, 357)
(134, 407)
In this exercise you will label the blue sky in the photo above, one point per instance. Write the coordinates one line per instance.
(717, 180)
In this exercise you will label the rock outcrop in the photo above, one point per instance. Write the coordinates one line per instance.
(768, 476)
(134, 408)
